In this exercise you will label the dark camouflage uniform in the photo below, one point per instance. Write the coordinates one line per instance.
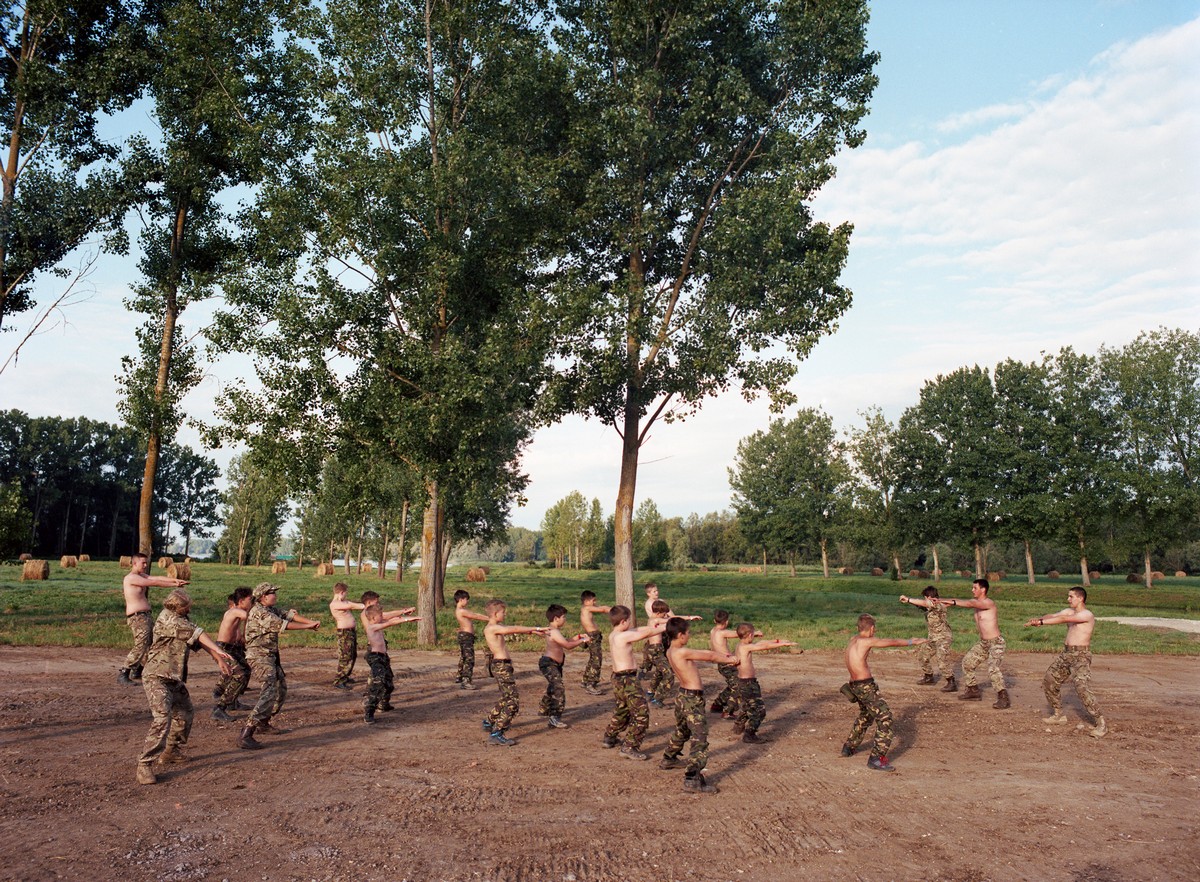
(632, 714)
(751, 710)
(380, 682)
(142, 626)
(347, 641)
(726, 700)
(993, 652)
(263, 625)
(163, 681)
(466, 656)
(662, 678)
(1073, 663)
(509, 704)
(232, 685)
(871, 709)
(690, 722)
(595, 648)
(554, 702)
(938, 646)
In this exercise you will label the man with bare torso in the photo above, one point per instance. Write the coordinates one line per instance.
(751, 710)
(862, 689)
(1075, 660)
(136, 587)
(990, 646)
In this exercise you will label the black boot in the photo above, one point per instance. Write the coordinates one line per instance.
(246, 739)
(123, 677)
(369, 715)
(926, 680)
(135, 673)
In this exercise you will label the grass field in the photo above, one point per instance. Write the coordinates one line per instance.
(83, 607)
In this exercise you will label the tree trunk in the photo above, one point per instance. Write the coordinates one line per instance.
(1084, 578)
(426, 608)
(83, 524)
(623, 516)
(825, 556)
(1149, 579)
(358, 558)
(346, 562)
(439, 594)
(791, 564)
(764, 560)
(1029, 563)
(937, 567)
(979, 570)
(402, 545)
(12, 166)
(383, 547)
(300, 557)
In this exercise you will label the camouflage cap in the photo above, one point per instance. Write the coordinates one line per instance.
(262, 589)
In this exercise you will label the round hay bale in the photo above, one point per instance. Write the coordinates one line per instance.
(126, 561)
(1133, 578)
(846, 571)
(324, 569)
(1053, 574)
(85, 558)
(280, 566)
(487, 571)
(164, 562)
(995, 576)
(476, 574)
(876, 571)
(923, 574)
(368, 568)
(35, 571)
(180, 571)
(1156, 575)
(1180, 574)
(24, 557)
(1093, 575)
(68, 562)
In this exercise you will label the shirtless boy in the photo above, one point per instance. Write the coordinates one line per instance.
(862, 689)
(231, 637)
(662, 681)
(1075, 660)
(136, 587)
(990, 646)
(342, 611)
(591, 672)
(690, 722)
(554, 702)
(466, 639)
(940, 639)
(509, 704)
(646, 667)
(380, 682)
(751, 711)
(718, 640)
(631, 715)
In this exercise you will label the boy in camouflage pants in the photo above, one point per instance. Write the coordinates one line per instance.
(690, 722)
(164, 680)
(509, 704)
(631, 715)
(591, 672)
(231, 637)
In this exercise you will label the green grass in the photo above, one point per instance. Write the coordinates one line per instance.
(83, 607)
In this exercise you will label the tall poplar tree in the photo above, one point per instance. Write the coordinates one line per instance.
(707, 127)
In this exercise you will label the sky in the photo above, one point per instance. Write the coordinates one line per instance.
(1029, 181)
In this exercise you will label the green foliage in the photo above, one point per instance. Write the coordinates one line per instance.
(255, 509)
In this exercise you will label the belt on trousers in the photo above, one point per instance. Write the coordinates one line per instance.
(1069, 646)
(692, 691)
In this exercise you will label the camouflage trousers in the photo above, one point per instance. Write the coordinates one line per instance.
(380, 682)
(509, 704)
(347, 640)
(171, 710)
(690, 723)
(595, 648)
(871, 709)
(938, 647)
(993, 652)
(268, 670)
(726, 700)
(466, 656)
(142, 626)
(233, 684)
(1073, 663)
(662, 680)
(751, 710)
(554, 702)
(632, 714)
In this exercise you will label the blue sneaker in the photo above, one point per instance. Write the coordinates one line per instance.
(498, 739)
(486, 726)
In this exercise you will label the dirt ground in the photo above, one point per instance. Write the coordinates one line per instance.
(979, 794)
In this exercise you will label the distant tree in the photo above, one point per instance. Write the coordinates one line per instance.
(189, 492)
(649, 542)
(255, 507)
(14, 521)
(875, 481)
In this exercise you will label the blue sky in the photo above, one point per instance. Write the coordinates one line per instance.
(1029, 182)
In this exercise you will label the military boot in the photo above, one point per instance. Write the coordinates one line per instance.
(697, 784)
(951, 684)
(123, 677)
(972, 694)
(1002, 702)
(246, 739)
(135, 673)
(369, 715)
(219, 713)
(145, 774)
(926, 680)
(880, 764)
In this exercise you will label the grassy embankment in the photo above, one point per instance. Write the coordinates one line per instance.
(83, 607)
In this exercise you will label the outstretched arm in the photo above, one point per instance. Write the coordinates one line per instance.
(768, 644)
(1063, 617)
(298, 623)
(926, 603)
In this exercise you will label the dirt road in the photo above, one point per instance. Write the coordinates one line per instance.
(979, 794)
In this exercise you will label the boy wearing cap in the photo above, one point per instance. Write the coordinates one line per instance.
(263, 624)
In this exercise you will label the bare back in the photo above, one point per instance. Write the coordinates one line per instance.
(718, 638)
(554, 648)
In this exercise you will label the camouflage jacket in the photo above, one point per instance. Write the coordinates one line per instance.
(263, 624)
(173, 636)
(935, 621)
